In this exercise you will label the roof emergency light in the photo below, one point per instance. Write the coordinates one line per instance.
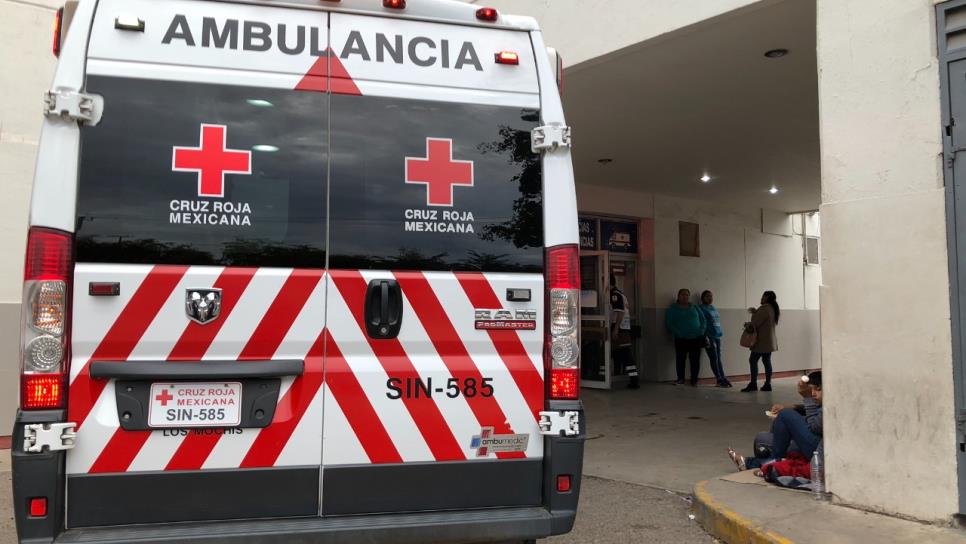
(507, 57)
(487, 14)
(394, 4)
(58, 26)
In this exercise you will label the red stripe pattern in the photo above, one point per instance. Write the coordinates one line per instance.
(446, 437)
(447, 342)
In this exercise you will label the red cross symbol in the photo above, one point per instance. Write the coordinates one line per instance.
(164, 397)
(212, 160)
(439, 171)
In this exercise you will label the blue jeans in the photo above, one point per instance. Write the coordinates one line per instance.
(753, 363)
(714, 358)
(788, 426)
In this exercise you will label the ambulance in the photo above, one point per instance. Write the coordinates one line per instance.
(300, 271)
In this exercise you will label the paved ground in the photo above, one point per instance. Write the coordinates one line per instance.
(646, 451)
(617, 512)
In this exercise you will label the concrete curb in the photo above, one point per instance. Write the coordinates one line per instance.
(726, 525)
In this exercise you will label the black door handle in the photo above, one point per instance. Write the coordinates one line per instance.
(384, 309)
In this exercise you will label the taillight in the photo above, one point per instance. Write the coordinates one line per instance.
(58, 26)
(45, 330)
(486, 14)
(561, 351)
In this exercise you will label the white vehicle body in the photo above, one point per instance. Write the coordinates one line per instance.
(296, 261)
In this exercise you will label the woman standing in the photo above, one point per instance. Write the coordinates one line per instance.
(764, 320)
(713, 332)
(687, 325)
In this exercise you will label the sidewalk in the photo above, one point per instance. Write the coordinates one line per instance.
(742, 508)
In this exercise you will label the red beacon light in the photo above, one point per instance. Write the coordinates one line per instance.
(394, 4)
(507, 57)
(487, 14)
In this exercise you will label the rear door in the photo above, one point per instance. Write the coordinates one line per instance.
(199, 307)
(434, 376)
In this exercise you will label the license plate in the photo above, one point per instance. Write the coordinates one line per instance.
(207, 404)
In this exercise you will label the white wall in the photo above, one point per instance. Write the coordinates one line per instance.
(28, 64)
(738, 262)
(889, 423)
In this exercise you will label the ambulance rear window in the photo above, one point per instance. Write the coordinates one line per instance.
(431, 185)
(190, 173)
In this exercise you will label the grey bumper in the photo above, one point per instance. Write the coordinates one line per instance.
(494, 525)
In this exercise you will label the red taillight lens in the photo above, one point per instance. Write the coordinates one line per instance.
(394, 4)
(42, 392)
(45, 329)
(507, 57)
(564, 483)
(58, 26)
(38, 507)
(486, 14)
(49, 255)
(561, 350)
(562, 269)
(564, 383)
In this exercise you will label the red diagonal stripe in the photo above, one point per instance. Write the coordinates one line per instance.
(268, 335)
(123, 336)
(507, 343)
(363, 419)
(270, 441)
(450, 347)
(192, 346)
(120, 451)
(424, 411)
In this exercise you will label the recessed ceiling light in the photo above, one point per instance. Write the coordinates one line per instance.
(605, 161)
(773, 190)
(776, 53)
(705, 178)
(265, 148)
(258, 102)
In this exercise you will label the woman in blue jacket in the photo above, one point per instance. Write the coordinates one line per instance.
(686, 323)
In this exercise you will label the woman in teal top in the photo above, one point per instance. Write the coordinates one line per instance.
(714, 332)
(687, 325)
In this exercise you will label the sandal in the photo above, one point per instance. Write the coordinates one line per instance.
(738, 459)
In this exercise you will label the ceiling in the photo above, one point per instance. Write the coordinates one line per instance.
(705, 99)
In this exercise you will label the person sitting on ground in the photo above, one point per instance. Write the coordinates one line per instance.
(790, 424)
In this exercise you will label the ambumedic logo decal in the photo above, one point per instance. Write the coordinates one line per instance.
(441, 174)
(487, 442)
(211, 160)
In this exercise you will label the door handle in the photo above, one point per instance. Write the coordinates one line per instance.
(384, 309)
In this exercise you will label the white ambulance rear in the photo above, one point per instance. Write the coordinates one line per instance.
(300, 270)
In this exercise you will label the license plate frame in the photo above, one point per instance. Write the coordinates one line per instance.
(259, 401)
(194, 405)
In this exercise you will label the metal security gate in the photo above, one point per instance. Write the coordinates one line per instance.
(951, 30)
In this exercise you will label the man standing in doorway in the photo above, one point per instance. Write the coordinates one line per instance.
(620, 331)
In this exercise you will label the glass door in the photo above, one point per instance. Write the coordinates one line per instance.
(596, 370)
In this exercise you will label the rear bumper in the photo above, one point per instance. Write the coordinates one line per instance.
(493, 525)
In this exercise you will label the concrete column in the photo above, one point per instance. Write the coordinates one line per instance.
(889, 423)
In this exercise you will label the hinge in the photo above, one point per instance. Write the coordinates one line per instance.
(565, 423)
(50, 436)
(71, 106)
(549, 137)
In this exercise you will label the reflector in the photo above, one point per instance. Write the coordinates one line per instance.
(38, 507)
(563, 483)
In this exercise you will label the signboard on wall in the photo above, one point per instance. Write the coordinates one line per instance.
(588, 233)
(618, 236)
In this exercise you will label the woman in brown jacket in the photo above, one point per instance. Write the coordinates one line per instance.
(764, 320)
